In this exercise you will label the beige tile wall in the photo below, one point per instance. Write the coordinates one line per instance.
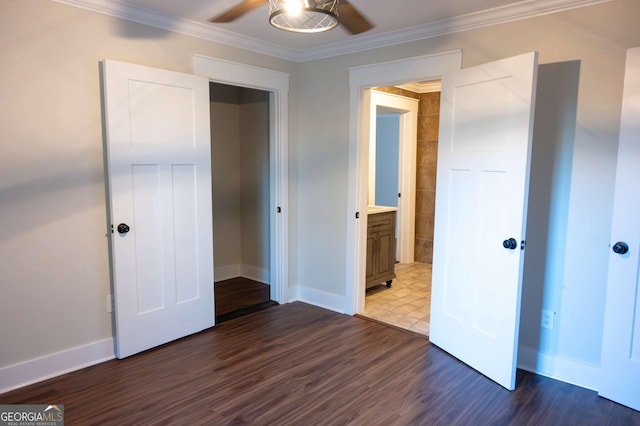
(428, 126)
(427, 158)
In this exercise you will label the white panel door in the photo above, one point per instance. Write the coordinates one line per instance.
(620, 363)
(486, 127)
(159, 180)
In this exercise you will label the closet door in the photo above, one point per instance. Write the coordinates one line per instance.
(620, 361)
(159, 180)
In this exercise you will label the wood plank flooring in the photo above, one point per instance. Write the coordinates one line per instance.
(240, 296)
(297, 364)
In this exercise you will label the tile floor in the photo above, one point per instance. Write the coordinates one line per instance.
(407, 303)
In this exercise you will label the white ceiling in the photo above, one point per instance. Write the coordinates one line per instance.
(395, 21)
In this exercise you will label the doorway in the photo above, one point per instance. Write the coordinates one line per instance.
(239, 118)
(406, 304)
(170, 174)
(275, 86)
(362, 79)
(392, 161)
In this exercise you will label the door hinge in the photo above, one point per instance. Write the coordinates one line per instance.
(357, 215)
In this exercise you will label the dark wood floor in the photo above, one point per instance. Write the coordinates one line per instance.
(240, 296)
(296, 364)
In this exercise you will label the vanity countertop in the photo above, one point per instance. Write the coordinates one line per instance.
(380, 209)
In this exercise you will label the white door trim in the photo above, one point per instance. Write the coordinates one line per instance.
(277, 84)
(408, 109)
(361, 79)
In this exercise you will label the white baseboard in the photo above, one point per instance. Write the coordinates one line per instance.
(318, 298)
(232, 271)
(559, 368)
(222, 273)
(55, 364)
(256, 274)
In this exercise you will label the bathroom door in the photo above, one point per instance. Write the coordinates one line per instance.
(159, 182)
(620, 364)
(486, 128)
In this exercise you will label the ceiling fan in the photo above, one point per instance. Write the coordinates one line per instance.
(327, 13)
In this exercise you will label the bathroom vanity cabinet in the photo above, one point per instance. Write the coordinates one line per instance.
(381, 246)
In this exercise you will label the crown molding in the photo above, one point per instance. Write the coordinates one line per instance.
(500, 15)
(130, 12)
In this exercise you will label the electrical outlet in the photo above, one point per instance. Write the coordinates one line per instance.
(547, 319)
(109, 303)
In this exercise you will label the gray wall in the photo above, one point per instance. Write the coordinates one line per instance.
(254, 131)
(226, 176)
(240, 175)
(387, 158)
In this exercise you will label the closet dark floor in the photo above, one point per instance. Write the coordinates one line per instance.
(240, 296)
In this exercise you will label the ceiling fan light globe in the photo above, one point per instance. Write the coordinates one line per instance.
(293, 7)
(315, 15)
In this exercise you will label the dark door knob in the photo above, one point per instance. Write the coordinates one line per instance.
(510, 244)
(123, 228)
(620, 247)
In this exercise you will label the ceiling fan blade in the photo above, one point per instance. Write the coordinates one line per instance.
(237, 11)
(351, 19)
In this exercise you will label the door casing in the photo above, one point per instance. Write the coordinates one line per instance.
(408, 110)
